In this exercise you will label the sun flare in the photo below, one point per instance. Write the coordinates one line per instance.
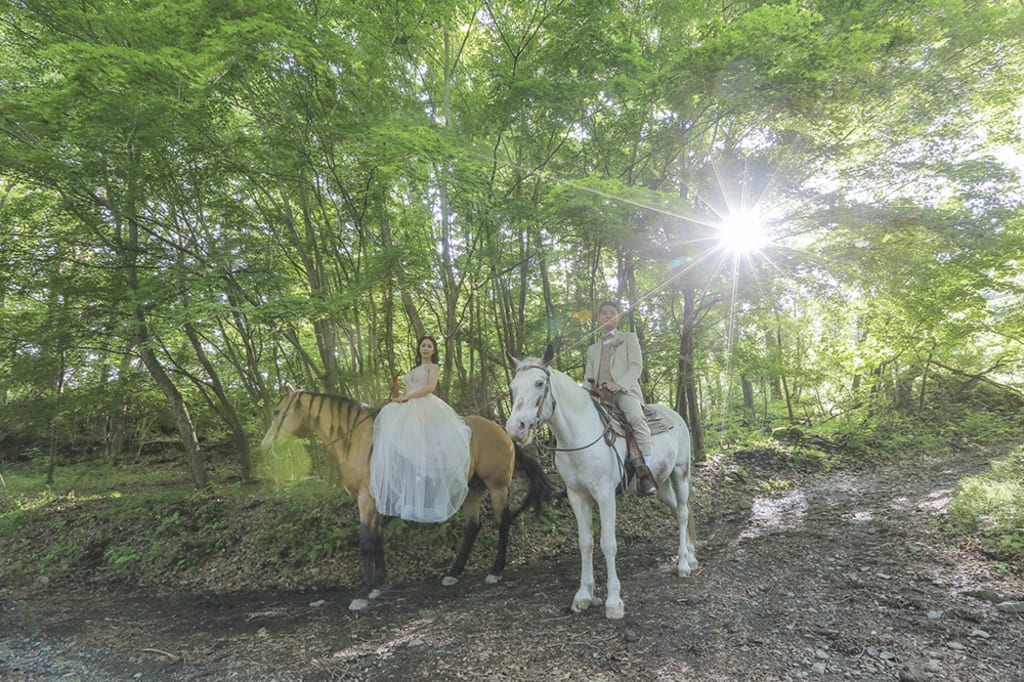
(742, 233)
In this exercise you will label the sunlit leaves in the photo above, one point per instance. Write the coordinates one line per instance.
(308, 176)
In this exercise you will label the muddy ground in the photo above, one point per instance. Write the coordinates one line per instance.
(838, 576)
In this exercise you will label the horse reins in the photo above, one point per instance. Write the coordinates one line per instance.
(554, 403)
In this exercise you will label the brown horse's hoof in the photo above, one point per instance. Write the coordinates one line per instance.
(360, 603)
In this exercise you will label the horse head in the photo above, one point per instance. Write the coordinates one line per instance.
(532, 402)
(285, 420)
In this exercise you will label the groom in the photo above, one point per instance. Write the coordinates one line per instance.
(615, 363)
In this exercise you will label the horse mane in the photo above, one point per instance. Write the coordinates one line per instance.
(342, 401)
(323, 410)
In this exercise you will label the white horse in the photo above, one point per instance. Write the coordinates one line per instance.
(592, 469)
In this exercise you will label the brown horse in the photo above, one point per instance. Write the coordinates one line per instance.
(346, 428)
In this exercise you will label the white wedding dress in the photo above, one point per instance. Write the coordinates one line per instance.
(419, 469)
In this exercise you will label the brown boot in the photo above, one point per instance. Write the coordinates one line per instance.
(645, 484)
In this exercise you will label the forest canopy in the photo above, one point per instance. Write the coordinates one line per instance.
(201, 201)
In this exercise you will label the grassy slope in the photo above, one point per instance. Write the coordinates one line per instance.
(144, 524)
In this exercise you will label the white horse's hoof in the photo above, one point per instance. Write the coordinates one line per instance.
(685, 569)
(492, 579)
(614, 611)
(581, 604)
(449, 581)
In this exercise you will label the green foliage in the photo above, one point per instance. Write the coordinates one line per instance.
(775, 485)
(300, 531)
(990, 506)
(779, 457)
(292, 192)
(958, 414)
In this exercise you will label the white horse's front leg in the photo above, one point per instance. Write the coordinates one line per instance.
(613, 606)
(583, 509)
(687, 551)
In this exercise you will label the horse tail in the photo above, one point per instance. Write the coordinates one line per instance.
(540, 489)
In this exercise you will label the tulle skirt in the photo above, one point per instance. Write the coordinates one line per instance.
(420, 465)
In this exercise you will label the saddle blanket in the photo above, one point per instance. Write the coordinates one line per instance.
(654, 422)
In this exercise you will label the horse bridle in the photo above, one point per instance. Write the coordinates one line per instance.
(538, 418)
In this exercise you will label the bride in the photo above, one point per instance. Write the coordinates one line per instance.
(420, 463)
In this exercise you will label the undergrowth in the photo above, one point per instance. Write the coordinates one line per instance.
(139, 525)
(990, 506)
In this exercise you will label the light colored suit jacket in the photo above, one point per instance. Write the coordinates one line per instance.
(626, 363)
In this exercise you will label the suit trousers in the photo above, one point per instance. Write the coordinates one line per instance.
(634, 411)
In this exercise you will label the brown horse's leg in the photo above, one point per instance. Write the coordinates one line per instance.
(371, 541)
(504, 517)
(470, 529)
(371, 544)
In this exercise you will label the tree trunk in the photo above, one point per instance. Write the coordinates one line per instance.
(449, 278)
(627, 275)
(789, 400)
(748, 397)
(775, 354)
(305, 244)
(182, 418)
(389, 294)
(224, 405)
(550, 311)
(115, 432)
(924, 376)
(904, 390)
(246, 363)
(686, 393)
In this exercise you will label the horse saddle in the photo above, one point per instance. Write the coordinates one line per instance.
(612, 415)
(615, 420)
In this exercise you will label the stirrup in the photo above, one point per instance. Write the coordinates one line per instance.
(645, 484)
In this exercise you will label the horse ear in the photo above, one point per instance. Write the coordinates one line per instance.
(549, 355)
(512, 360)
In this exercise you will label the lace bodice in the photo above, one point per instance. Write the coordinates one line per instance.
(418, 378)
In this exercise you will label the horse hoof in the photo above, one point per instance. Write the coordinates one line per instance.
(449, 581)
(581, 604)
(686, 569)
(492, 579)
(615, 611)
(360, 603)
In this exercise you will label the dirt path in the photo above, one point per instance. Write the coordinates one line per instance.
(839, 577)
